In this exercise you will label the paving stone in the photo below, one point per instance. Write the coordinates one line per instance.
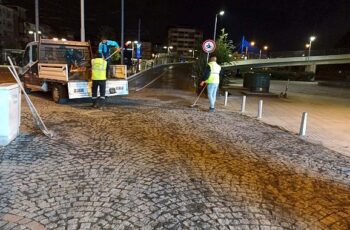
(147, 165)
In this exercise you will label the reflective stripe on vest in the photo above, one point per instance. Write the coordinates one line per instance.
(99, 69)
(214, 77)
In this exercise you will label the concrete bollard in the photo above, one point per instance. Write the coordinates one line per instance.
(260, 108)
(303, 124)
(226, 95)
(244, 99)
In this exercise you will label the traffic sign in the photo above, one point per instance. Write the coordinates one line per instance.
(209, 46)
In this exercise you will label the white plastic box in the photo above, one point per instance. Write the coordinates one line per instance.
(10, 112)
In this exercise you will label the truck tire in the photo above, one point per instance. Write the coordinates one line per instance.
(59, 93)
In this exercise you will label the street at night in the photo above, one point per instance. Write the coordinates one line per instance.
(123, 115)
(153, 162)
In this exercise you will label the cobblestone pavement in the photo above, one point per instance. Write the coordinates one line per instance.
(149, 161)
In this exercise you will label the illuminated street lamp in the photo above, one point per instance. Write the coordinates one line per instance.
(221, 13)
(312, 38)
(252, 43)
(35, 34)
(168, 48)
(191, 51)
(265, 48)
(132, 47)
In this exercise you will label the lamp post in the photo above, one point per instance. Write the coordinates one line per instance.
(221, 13)
(132, 52)
(312, 38)
(82, 20)
(132, 47)
(168, 48)
(191, 51)
(35, 34)
(36, 20)
(265, 49)
(246, 48)
(122, 33)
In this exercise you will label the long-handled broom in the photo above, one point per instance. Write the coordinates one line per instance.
(195, 102)
(38, 121)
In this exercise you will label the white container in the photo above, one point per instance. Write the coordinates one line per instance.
(10, 112)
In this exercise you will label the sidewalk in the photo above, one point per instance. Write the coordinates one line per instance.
(328, 116)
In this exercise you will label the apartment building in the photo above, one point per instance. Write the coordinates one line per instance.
(184, 39)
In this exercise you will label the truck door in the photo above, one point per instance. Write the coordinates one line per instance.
(30, 58)
(30, 69)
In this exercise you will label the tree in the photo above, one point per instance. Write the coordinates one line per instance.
(116, 57)
(224, 48)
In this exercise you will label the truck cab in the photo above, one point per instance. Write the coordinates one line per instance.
(64, 69)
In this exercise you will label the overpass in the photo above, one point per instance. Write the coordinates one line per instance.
(295, 59)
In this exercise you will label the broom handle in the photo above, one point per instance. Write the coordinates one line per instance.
(200, 94)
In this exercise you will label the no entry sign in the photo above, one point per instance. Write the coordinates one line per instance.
(209, 46)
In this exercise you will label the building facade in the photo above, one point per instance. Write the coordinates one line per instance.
(12, 32)
(7, 28)
(184, 39)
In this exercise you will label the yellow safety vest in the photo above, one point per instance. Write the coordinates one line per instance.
(214, 77)
(99, 69)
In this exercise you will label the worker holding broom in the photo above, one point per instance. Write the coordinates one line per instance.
(212, 79)
(100, 67)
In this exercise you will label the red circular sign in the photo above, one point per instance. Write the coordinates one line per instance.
(209, 46)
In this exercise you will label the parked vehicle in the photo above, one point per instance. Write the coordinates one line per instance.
(64, 69)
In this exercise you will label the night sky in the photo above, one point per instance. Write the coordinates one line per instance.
(281, 24)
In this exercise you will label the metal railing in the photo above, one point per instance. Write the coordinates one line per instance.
(298, 53)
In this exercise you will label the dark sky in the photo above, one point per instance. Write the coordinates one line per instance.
(281, 24)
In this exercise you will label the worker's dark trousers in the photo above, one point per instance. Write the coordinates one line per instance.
(95, 85)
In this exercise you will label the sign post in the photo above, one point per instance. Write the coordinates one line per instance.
(209, 46)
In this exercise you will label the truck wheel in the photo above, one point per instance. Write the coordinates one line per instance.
(59, 93)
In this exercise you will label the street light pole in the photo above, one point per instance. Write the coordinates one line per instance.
(122, 33)
(312, 38)
(36, 34)
(82, 20)
(310, 49)
(139, 31)
(215, 25)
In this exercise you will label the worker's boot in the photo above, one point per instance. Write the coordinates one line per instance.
(95, 103)
(101, 104)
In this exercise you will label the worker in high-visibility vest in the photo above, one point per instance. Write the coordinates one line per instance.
(212, 79)
(99, 69)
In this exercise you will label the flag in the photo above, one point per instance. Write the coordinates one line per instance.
(244, 44)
